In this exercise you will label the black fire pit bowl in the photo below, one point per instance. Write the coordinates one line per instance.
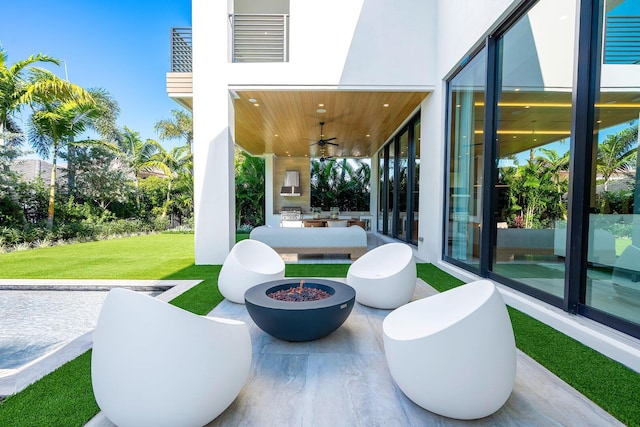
(300, 320)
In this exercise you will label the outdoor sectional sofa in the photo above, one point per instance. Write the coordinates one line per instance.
(314, 240)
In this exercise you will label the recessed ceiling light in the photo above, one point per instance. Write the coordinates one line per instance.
(367, 135)
(256, 105)
(253, 100)
(517, 89)
(275, 134)
(321, 110)
(385, 105)
(320, 105)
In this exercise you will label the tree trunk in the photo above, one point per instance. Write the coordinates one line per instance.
(71, 169)
(166, 205)
(52, 188)
(138, 192)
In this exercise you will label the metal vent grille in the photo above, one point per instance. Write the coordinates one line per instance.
(260, 38)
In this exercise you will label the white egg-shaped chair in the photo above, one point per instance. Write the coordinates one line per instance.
(384, 277)
(453, 353)
(249, 263)
(154, 364)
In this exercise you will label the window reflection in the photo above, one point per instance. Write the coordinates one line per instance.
(613, 283)
(466, 112)
(533, 131)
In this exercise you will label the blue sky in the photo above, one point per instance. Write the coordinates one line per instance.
(121, 46)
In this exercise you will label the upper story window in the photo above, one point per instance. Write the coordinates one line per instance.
(260, 31)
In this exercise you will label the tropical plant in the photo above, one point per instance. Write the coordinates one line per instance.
(52, 127)
(617, 153)
(535, 190)
(24, 84)
(180, 126)
(137, 156)
(176, 164)
(103, 121)
(343, 183)
(250, 193)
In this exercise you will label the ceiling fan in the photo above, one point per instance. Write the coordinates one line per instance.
(322, 142)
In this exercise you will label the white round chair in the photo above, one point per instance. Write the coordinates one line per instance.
(154, 364)
(249, 263)
(384, 277)
(453, 353)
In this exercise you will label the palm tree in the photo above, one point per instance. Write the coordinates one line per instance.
(175, 164)
(137, 155)
(617, 153)
(343, 183)
(554, 164)
(178, 127)
(24, 84)
(52, 126)
(249, 189)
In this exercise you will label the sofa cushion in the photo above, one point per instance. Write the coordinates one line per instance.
(311, 237)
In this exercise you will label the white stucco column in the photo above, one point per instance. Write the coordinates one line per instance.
(268, 191)
(214, 197)
(374, 189)
(432, 176)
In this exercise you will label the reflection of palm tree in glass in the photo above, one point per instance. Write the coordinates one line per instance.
(617, 154)
(535, 189)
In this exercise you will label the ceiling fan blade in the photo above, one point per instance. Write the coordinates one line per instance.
(329, 139)
(332, 143)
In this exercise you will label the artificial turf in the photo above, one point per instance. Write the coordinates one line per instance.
(65, 397)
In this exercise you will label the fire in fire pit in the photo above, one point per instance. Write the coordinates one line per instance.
(299, 293)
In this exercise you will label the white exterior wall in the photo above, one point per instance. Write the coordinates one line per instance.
(214, 201)
(365, 44)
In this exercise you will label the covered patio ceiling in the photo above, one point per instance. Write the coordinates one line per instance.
(286, 122)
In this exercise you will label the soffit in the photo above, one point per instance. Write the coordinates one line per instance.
(286, 123)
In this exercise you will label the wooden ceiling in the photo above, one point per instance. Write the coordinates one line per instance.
(286, 123)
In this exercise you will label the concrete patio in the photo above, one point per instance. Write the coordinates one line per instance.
(343, 380)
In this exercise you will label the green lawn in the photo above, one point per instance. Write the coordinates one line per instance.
(65, 398)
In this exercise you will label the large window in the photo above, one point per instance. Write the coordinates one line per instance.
(415, 212)
(543, 190)
(466, 125)
(398, 168)
(613, 255)
(535, 79)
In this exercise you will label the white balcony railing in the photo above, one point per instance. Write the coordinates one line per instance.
(259, 37)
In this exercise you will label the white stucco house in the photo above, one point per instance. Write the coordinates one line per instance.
(447, 98)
